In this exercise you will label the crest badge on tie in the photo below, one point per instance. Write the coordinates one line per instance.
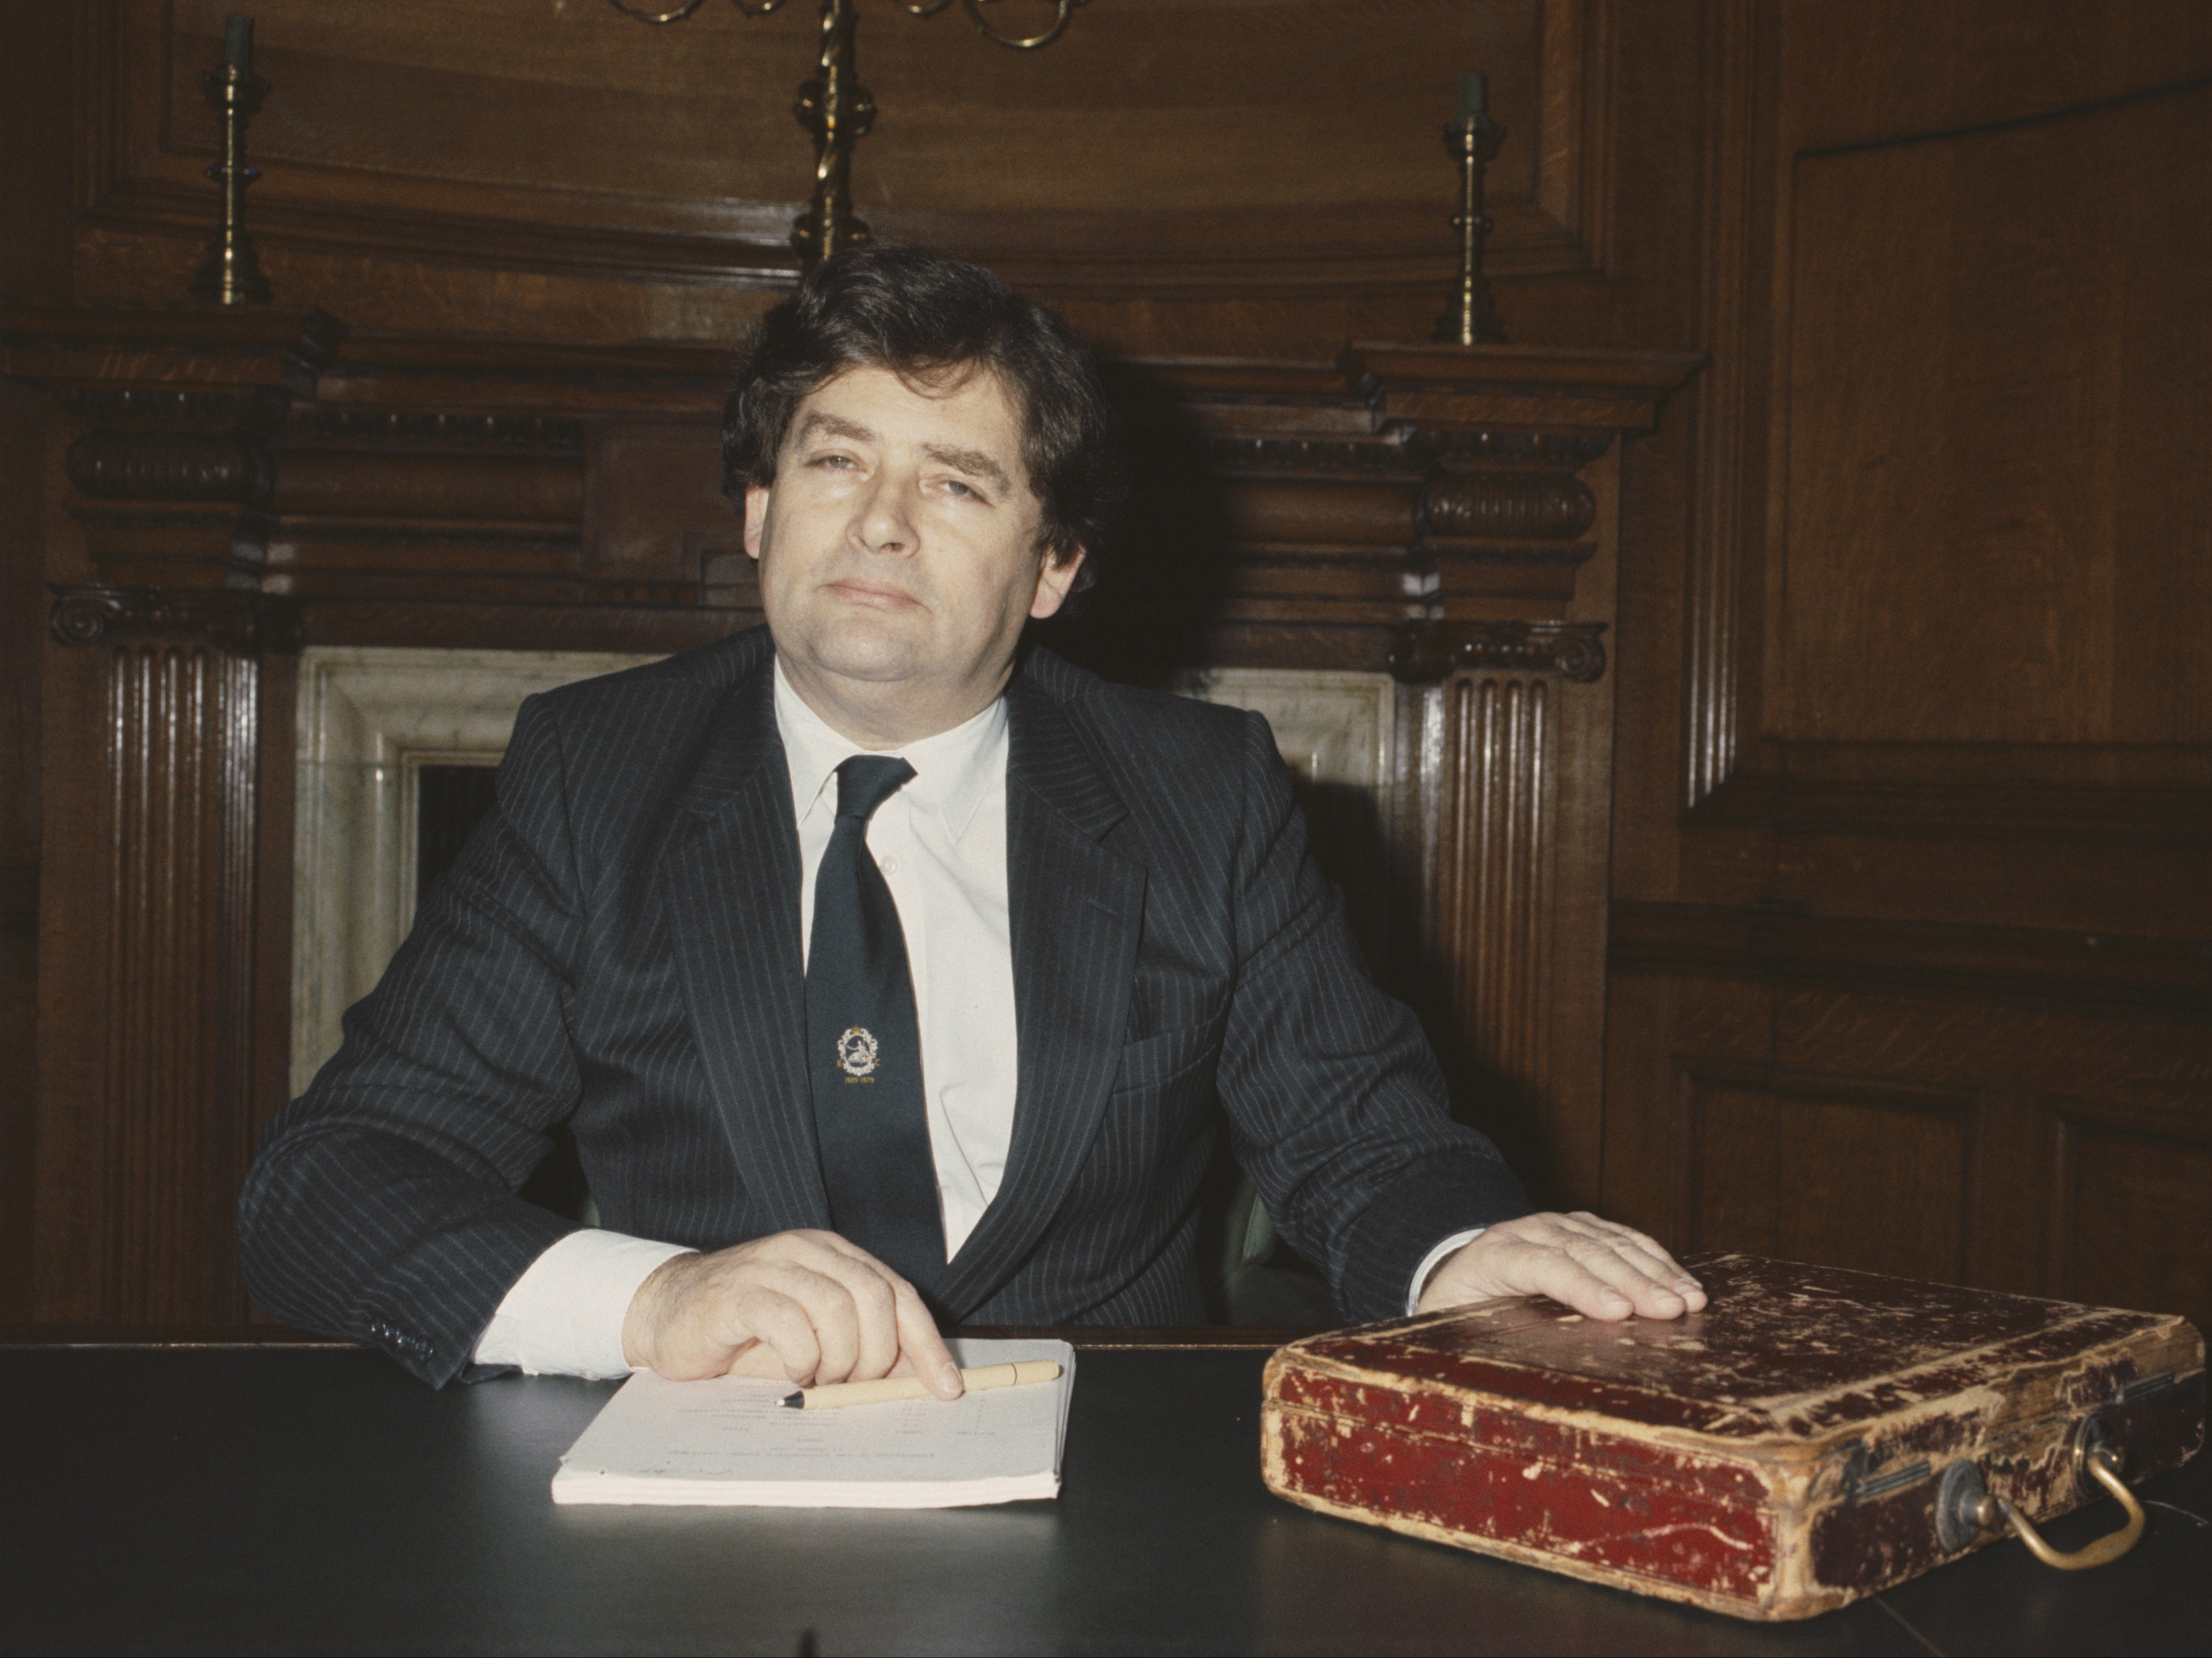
(856, 1054)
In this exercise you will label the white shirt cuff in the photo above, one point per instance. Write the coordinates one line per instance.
(564, 1316)
(1430, 1262)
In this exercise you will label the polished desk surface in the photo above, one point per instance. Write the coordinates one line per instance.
(314, 1498)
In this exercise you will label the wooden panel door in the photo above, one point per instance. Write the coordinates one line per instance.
(1928, 989)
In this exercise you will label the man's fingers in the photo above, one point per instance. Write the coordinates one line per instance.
(810, 1307)
(876, 1304)
(867, 1339)
(919, 1342)
(1554, 1273)
(1630, 1263)
(757, 1358)
(1592, 1279)
(1651, 1283)
(1668, 1270)
(837, 1324)
(1673, 1281)
(1632, 1288)
(783, 1327)
(1600, 1268)
(857, 1322)
(821, 1300)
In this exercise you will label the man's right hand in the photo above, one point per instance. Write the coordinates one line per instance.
(805, 1306)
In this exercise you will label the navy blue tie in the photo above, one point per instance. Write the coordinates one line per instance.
(864, 1045)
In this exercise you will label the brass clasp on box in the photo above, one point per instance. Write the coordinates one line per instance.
(1965, 1509)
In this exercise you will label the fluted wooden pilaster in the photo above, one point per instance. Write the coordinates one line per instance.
(175, 888)
(1497, 833)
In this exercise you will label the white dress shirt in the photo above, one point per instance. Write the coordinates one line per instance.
(941, 844)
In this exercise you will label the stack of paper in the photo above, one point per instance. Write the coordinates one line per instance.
(730, 1440)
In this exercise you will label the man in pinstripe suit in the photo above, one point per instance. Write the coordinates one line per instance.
(1110, 931)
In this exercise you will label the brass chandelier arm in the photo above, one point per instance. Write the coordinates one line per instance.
(1061, 9)
(1019, 42)
(675, 15)
(837, 110)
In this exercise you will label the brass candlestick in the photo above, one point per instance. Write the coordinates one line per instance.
(837, 110)
(230, 271)
(1472, 141)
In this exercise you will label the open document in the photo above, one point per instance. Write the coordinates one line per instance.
(730, 1441)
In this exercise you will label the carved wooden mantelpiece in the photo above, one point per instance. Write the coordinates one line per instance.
(1442, 519)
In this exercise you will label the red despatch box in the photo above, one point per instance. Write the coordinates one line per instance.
(1814, 1435)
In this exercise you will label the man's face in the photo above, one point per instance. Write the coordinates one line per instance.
(898, 545)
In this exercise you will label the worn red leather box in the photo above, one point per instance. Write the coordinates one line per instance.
(1815, 1435)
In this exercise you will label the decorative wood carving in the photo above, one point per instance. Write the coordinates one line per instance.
(235, 622)
(1427, 650)
(427, 430)
(1546, 507)
(174, 477)
(175, 899)
(1400, 485)
(137, 465)
(172, 483)
(1498, 839)
(178, 934)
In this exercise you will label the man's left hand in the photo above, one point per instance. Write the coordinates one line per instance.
(1600, 1268)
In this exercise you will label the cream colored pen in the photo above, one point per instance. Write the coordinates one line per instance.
(910, 1387)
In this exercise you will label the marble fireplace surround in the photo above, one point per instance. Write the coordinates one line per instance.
(370, 718)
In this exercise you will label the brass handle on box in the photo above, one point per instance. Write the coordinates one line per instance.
(1966, 1508)
(2101, 1466)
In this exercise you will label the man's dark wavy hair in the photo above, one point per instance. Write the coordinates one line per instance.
(931, 318)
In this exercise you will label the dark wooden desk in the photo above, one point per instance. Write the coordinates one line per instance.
(277, 1499)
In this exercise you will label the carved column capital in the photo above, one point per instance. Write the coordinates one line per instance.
(1424, 652)
(238, 622)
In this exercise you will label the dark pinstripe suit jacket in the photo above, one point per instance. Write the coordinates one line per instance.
(618, 948)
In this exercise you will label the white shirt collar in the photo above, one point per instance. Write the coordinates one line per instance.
(954, 771)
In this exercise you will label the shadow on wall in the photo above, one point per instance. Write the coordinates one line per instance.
(1161, 582)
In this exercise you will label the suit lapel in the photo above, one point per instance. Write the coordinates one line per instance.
(730, 880)
(1075, 912)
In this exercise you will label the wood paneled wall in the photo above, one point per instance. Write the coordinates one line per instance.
(1911, 972)
(1901, 844)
